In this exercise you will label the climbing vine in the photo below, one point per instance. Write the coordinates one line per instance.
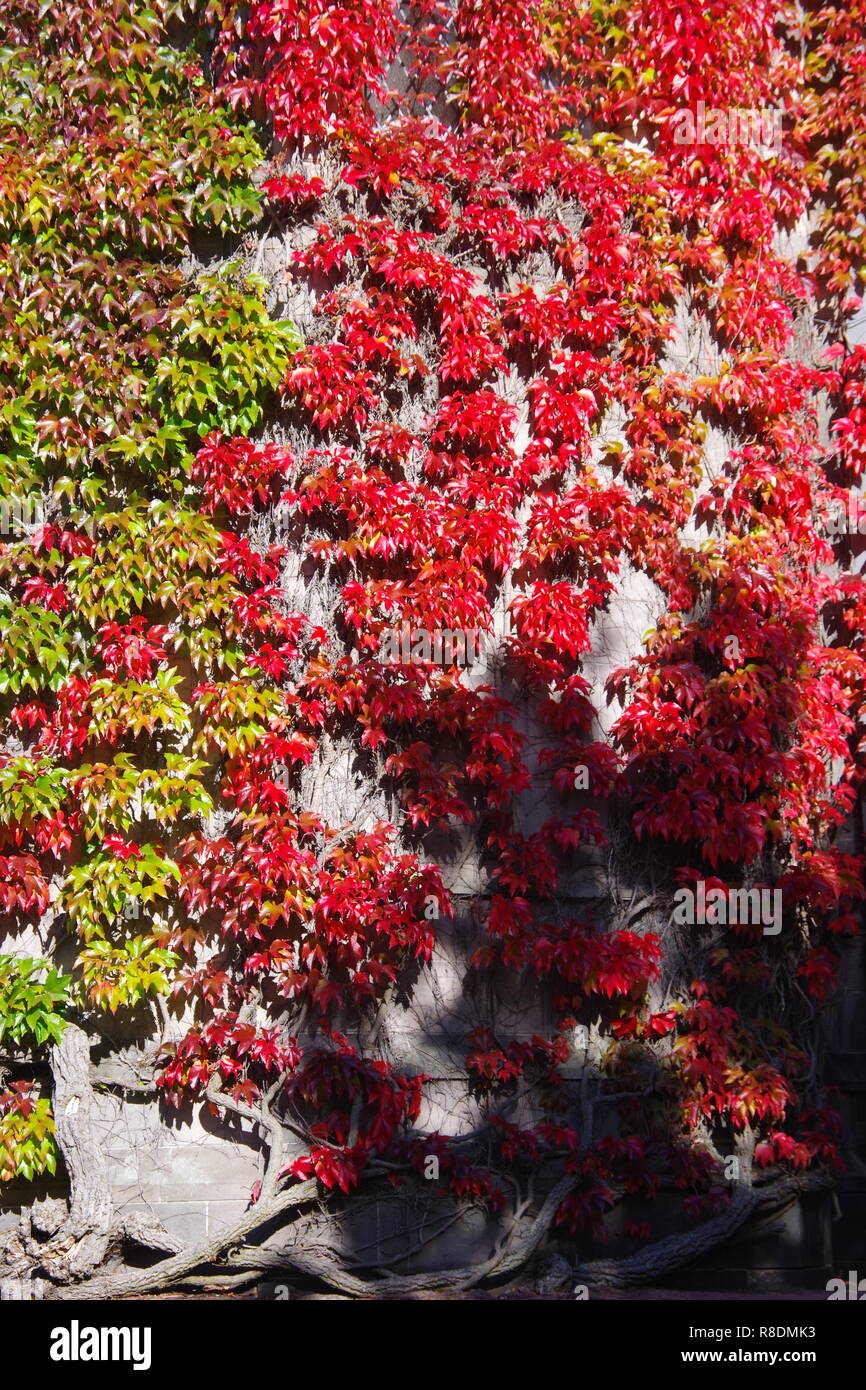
(552, 347)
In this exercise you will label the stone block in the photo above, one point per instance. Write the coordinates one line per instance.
(186, 1220)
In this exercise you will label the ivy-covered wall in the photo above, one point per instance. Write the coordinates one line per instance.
(331, 330)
